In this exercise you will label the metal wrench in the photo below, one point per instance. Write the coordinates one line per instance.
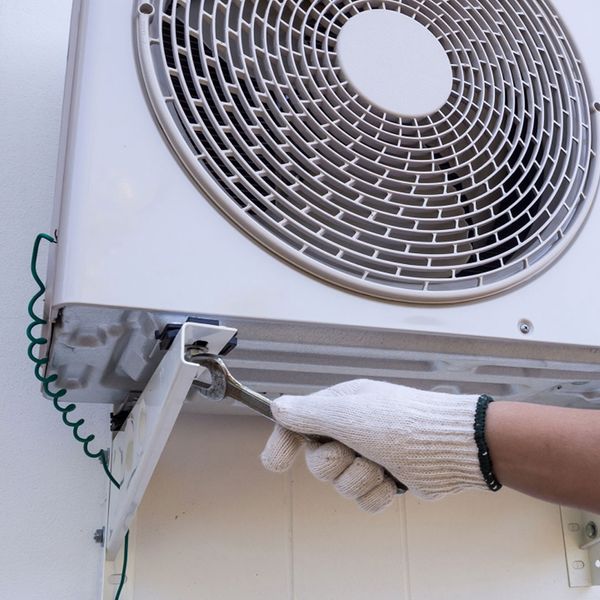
(224, 385)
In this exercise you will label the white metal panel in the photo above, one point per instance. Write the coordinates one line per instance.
(582, 546)
(129, 208)
(580, 20)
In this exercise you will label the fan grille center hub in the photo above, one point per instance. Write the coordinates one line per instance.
(395, 62)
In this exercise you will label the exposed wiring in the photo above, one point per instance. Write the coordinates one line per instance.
(46, 380)
(40, 364)
(124, 567)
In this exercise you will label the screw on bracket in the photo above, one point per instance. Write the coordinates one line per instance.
(591, 530)
(99, 536)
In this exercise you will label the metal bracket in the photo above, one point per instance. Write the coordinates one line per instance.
(139, 444)
(581, 533)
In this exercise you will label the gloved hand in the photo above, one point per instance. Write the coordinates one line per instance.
(425, 439)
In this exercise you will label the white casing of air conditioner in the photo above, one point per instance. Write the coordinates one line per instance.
(135, 232)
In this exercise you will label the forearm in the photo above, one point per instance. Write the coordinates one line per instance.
(547, 452)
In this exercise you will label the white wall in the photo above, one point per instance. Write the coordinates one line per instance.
(52, 497)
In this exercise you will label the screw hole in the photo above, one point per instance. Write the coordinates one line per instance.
(146, 8)
(596, 106)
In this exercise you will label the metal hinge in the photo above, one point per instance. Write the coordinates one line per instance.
(139, 444)
(581, 532)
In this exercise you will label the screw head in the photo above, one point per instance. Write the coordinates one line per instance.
(99, 536)
(591, 530)
(525, 326)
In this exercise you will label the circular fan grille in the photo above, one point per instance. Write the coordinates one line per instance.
(459, 204)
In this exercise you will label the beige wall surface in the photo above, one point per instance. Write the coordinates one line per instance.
(215, 525)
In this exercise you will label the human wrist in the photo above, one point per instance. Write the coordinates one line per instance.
(486, 465)
(505, 427)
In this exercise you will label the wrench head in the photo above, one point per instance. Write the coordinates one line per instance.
(216, 390)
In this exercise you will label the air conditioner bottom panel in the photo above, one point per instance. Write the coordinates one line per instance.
(108, 354)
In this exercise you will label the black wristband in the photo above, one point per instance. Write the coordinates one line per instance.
(485, 461)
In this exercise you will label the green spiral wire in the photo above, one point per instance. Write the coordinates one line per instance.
(46, 380)
(40, 364)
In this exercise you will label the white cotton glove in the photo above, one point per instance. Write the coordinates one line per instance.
(424, 439)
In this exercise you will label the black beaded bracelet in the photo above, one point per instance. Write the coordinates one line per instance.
(485, 462)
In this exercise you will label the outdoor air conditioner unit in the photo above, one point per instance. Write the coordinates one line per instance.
(393, 189)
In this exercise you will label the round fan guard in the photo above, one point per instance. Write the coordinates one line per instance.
(459, 204)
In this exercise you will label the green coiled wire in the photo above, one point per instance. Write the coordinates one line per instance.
(46, 380)
(40, 364)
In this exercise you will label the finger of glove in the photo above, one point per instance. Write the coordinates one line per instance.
(359, 478)
(281, 449)
(378, 498)
(328, 461)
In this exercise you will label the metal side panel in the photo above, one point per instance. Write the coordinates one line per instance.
(108, 355)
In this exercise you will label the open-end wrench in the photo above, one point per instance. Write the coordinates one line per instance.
(224, 385)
